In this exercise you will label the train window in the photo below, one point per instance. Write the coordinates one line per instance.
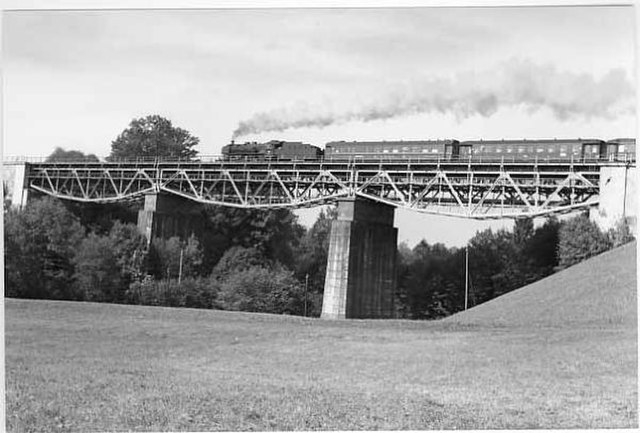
(540, 149)
(385, 150)
(509, 150)
(563, 153)
(520, 149)
(425, 150)
(395, 150)
(550, 150)
(434, 150)
(498, 150)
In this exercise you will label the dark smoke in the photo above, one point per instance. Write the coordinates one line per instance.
(516, 83)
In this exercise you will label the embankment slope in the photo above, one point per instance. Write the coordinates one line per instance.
(599, 291)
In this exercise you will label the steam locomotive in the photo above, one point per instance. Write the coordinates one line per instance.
(621, 149)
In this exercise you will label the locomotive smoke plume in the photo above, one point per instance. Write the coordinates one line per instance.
(516, 83)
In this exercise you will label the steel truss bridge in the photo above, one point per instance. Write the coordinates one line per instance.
(469, 189)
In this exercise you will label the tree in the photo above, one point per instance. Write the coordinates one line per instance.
(620, 234)
(40, 243)
(541, 249)
(61, 155)
(490, 264)
(129, 248)
(579, 239)
(176, 258)
(276, 233)
(264, 290)
(522, 231)
(314, 250)
(98, 276)
(238, 259)
(153, 137)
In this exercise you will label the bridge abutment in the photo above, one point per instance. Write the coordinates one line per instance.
(14, 177)
(618, 198)
(165, 215)
(361, 266)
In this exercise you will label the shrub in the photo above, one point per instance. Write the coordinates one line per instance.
(40, 243)
(191, 293)
(259, 289)
(579, 239)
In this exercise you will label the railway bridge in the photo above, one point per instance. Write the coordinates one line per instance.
(360, 278)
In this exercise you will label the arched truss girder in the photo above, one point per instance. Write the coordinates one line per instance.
(483, 193)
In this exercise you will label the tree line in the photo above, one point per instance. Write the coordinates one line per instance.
(258, 260)
(431, 277)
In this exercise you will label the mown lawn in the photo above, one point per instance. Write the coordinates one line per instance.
(98, 367)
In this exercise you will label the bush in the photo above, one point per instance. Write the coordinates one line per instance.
(40, 243)
(579, 239)
(97, 274)
(170, 258)
(260, 289)
(621, 234)
(190, 293)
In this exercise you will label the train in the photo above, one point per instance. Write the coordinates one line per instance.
(619, 149)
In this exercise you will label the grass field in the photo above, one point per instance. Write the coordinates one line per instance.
(98, 367)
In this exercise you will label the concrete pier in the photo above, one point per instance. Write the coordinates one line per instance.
(361, 267)
(14, 182)
(618, 198)
(164, 216)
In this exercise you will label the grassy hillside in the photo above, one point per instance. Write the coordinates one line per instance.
(598, 291)
(98, 367)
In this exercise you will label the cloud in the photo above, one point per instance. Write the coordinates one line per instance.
(517, 83)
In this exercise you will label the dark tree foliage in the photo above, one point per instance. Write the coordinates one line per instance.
(431, 278)
(238, 259)
(40, 243)
(620, 234)
(107, 264)
(153, 137)
(97, 275)
(312, 258)
(260, 289)
(61, 155)
(490, 264)
(190, 293)
(274, 233)
(173, 258)
(541, 249)
(100, 218)
(579, 239)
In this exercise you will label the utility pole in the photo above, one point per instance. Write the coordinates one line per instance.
(180, 269)
(466, 278)
(306, 286)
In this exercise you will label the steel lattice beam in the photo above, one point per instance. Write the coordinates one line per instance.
(479, 191)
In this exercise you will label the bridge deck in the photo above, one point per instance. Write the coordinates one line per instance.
(472, 189)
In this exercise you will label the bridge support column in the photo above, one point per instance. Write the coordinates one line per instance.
(361, 267)
(618, 198)
(14, 178)
(165, 215)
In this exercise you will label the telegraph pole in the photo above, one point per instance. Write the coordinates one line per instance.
(306, 287)
(180, 271)
(466, 278)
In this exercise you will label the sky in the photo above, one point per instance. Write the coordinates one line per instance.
(76, 78)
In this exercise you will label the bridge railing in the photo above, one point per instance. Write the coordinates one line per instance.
(351, 159)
